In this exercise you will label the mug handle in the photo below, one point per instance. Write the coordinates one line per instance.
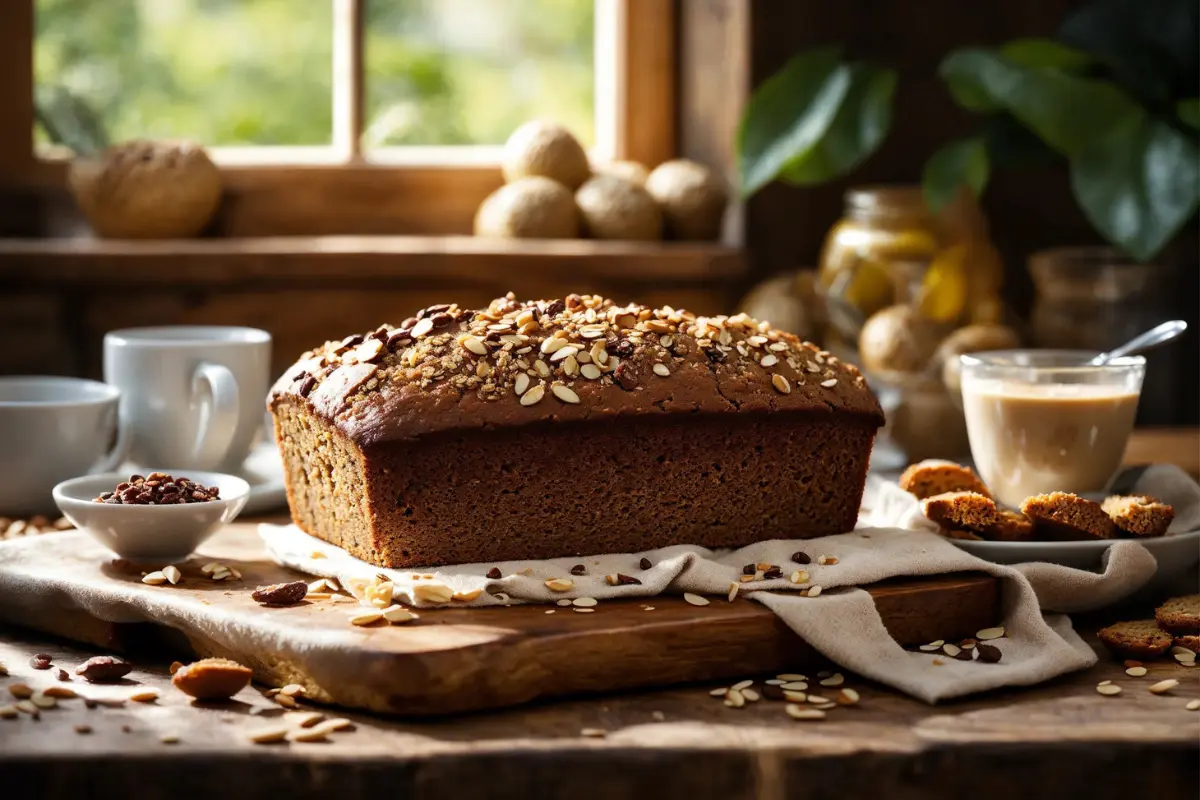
(214, 439)
(116, 457)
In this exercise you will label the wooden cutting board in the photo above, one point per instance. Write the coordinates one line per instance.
(450, 660)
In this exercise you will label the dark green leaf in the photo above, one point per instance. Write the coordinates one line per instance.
(966, 84)
(1189, 111)
(958, 164)
(1139, 184)
(788, 114)
(1066, 111)
(1010, 145)
(1151, 46)
(861, 123)
(1046, 53)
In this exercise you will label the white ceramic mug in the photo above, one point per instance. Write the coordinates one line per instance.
(192, 396)
(53, 429)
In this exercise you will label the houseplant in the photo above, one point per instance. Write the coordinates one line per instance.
(1116, 96)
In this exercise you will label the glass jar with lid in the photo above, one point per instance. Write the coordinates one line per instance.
(923, 276)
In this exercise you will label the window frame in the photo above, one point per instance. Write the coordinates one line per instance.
(410, 190)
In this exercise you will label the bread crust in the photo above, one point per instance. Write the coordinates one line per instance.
(1141, 639)
(1063, 516)
(1180, 615)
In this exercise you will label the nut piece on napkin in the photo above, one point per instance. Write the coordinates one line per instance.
(147, 190)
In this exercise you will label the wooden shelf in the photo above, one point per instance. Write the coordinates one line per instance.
(358, 260)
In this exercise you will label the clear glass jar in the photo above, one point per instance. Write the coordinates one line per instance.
(888, 248)
(1095, 298)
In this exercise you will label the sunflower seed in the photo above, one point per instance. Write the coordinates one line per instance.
(533, 395)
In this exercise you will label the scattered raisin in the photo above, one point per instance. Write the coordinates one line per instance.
(103, 669)
(579, 569)
(41, 661)
(494, 573)
(281, 594)
(645, 563)
(801, 557)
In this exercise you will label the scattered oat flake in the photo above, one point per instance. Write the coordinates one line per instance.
(1164, 686)
(695, 599)
(791, 676)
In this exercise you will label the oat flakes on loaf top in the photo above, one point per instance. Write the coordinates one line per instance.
(579, 358)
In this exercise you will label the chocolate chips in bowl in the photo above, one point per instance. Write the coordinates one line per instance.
(159, 489)
(160, 517)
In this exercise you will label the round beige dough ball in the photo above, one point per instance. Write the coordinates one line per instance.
(632, 171)
(548, 150)
(529, 208)
(971, 339)
(898, 339)
(147, 190)
(692, 199)
(612, 208)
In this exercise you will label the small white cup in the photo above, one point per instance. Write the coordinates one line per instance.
(52, 429)
(192, 396)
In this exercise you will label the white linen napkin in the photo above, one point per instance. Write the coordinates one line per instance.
(841, 622)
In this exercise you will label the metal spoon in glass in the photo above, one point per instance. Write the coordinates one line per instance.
(1160, 334)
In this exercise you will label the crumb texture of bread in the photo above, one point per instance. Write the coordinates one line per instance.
(1189, 641)
(957, 533)
(576, 489)
(935, 476)
(1180, 615)
(1063, 516)
(1139, 515)
(1013, 526)
(968, 510)
(569, 427)
(1136, 639)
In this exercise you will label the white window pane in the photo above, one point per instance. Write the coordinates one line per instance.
(448, 72)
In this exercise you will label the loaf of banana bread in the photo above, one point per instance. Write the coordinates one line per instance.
(569, 427)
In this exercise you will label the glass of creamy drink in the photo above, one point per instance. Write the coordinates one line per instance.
(1043, 421)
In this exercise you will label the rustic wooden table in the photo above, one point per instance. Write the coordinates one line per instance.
(1060, 739)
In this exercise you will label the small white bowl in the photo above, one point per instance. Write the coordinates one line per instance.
(162, 534)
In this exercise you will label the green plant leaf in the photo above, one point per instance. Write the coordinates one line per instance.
(1150, 46)
(1066, 111)
(1189, 111)
(1139, 184)
(1046, 53)
(960, 163)
(1010, 145)
(788, 114)
(861, 123)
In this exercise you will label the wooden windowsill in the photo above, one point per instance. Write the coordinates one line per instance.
(385, 261)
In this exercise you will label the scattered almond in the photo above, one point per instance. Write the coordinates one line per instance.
(719, 692)
(1164, 686)
(398, 615)
(695, 599)
(990, 633)
(144, 696)
(306, 719)
(1135, 672)
(847, 697)
(172, 574)
(366, 618)
(41, 700)
(60, 692)
(433, 592)
(9, 712)
(270, 735)
(836, 679)
(594, 733)
(560, 584)
(798, 712)
(1193, 705)
(155, 578)
(212, 679)
(1108, 689)
(20, 691)
(467, 596)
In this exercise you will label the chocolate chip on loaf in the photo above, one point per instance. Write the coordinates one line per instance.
(1136, 639)
(1065, 517)
(934, 476)
(1139, 515)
